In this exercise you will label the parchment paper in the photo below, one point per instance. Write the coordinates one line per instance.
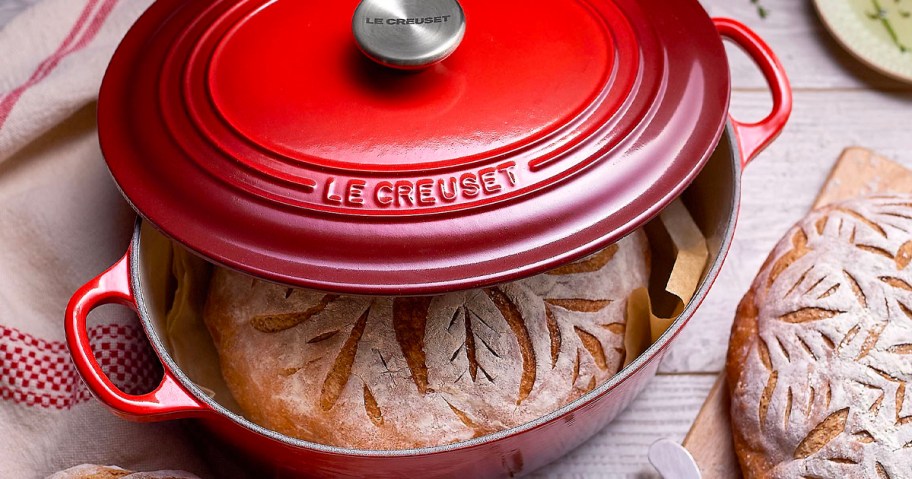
(679, 253)
(678, 257)
(187, 338)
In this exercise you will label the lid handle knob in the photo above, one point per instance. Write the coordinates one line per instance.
(408, 34)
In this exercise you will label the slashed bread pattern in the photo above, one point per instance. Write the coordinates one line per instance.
(399, 372)
(820, 360)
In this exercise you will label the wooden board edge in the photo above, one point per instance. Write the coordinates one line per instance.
(860, 172)
(709, 439)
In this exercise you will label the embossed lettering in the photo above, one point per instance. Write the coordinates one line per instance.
(355, 195)
(507, 169)
(405, 194)
(330, 194)
(384, 193)
(470, 186)
(408, 21)
(446, 194)
(426, 192)
(420, 192)
(489, 181)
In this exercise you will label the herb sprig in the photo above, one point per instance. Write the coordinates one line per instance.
(761, 10)
(880, 14)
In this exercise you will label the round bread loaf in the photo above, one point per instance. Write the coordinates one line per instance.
(395, 373)
(92, 471)
(820, 357)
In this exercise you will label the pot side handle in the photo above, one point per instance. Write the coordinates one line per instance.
(168, 401)
(755, 137)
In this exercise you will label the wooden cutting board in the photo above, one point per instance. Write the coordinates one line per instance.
(857, 172)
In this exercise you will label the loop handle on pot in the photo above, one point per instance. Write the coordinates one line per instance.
(168, 401)
(755, 137)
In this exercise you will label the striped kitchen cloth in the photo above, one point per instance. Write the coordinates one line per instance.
(62, 221)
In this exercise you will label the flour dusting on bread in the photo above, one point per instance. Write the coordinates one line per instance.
(392, 373)
(821, 352)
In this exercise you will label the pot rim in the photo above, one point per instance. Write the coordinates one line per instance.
(650, 354)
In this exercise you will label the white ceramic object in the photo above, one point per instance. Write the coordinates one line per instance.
(877, 32)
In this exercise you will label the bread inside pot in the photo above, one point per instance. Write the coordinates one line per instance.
(179, 300)
(711, 200)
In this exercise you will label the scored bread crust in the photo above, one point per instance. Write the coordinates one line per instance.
(395, 373)
(744, 331)
(820, 354)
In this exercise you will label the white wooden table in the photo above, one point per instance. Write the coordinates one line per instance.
(838, 103)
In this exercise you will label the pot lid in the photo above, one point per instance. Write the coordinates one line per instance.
(265, 136)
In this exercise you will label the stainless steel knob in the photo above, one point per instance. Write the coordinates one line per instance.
(408, 34)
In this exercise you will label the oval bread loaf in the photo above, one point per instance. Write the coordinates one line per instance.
(820, 359)
(395, 373)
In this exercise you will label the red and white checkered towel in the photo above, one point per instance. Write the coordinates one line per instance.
(62, 221)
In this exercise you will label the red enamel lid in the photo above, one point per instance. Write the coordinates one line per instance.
(257, 133)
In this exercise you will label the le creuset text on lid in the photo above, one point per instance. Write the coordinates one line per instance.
(270, 136)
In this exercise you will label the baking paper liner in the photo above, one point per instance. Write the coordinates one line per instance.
(679, 255)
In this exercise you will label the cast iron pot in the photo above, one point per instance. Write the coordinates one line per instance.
(712, 198)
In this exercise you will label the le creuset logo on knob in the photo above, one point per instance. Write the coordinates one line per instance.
(407, 21)
(408, 34)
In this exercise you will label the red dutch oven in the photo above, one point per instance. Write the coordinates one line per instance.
(273, 137)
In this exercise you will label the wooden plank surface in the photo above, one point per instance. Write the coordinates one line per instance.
(709, 440)
(838, 103)
(666, 407)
